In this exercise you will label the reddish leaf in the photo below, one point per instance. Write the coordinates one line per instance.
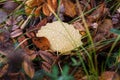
(37, 11)
(16, 33)
(98, 13)
(15, 27)
(46, 66)
(48, 57)
(41, 42)
(46, 10)
(41, 23)
(105, 27)
(3, 15)
(10, 5)
(33, 56)
(104, 30)
(78, 26)
(2, 38)
(30, 34)
(20, 39)
(69, 8)
(14, 76)
(3, 70)
(11, 21)
(32, 4)
(109, 75)
(54, 3)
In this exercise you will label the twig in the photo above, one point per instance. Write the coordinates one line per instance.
(3, 53)
(29, 17)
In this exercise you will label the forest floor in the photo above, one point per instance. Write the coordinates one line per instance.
(60, 39)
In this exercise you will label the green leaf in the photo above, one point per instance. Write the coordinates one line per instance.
(65, 70)
(55, 70)
(116, 31)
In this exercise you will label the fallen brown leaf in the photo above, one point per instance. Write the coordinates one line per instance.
(78, 25)
(40, 4)
(30, 4)
(98, 13)
(3, 70)
(9, 6)
(41, 42)
(46, 66)
(16, 33)
(70, 9)
(24, 44)
(42, 23)
(47, 56)
(109, 75)
(28, 68)
(3, 15)
(103, 30)
(45, 10)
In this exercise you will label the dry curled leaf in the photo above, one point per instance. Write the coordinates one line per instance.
(70, 9)
(62, 36)
(40, 4)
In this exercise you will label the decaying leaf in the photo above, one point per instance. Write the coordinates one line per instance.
(2, 38)
(3, 15)
(16, 33)
(40, 4)
(109, 75)
(78, 25)
(28, 68)
(47, 57)
(46, 66)
(98, 13)
(46, 10)
(69, 8)
(3, 70)
(9, 6)
(52, 4)
(62, 36)
(41, 42)
(118, 10)
(103, 30)
(24, 44)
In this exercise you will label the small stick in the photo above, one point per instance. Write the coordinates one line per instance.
(3, 53)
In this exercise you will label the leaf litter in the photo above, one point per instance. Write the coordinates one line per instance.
(37, 53)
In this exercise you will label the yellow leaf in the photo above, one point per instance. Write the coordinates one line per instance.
(62, 36)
